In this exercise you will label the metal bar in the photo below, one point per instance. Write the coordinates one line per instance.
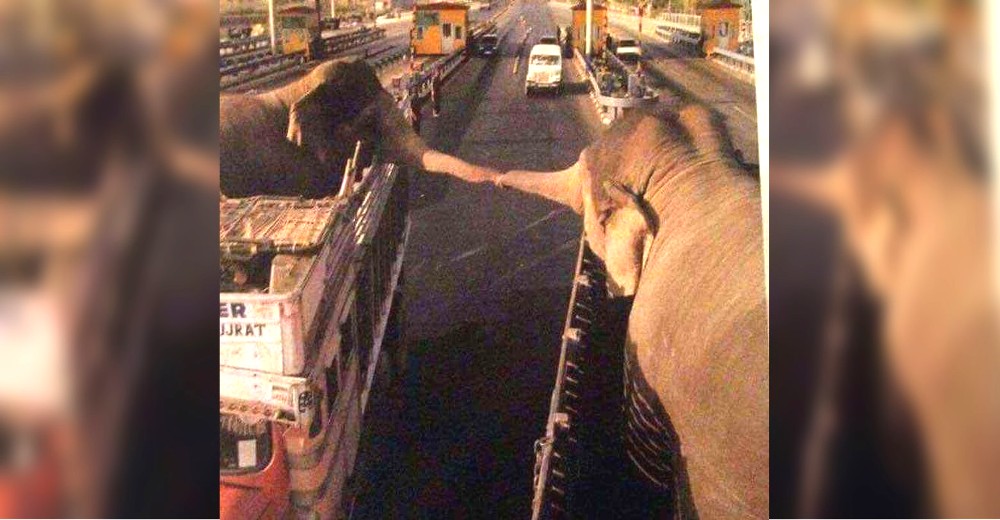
(270, 26)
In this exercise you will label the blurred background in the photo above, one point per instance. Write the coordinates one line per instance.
(108, 181)
(885, 360)
(885, 366)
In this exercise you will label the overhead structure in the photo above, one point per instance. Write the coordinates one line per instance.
(589, 37)
(439, 28)
(720, 24)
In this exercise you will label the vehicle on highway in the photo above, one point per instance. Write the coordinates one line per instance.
(309, 320)
(544, 69)
(628, 50)
(488, 44)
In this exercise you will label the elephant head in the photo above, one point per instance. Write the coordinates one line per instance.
(296, 140)
(615, 183)
(343, 102)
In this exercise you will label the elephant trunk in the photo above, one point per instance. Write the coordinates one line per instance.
(403, 145)
(558, 186)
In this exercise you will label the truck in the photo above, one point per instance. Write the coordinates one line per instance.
(309, 320)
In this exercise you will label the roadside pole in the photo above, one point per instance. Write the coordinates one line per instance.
(270, 26)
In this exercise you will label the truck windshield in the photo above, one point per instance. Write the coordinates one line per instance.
(627, 43)
(541, 59)
(243, 447)
(489, 41)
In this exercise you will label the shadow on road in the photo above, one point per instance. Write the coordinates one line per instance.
(455, 445)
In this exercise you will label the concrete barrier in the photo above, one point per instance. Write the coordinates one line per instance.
(739, 65)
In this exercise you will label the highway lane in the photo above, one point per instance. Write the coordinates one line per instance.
(488, 276)
(682, 78)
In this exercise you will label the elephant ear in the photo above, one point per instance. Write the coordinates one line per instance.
(627, 230)
(307, 116)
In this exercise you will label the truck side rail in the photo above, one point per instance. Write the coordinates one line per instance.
(580, 452)
(366, 243)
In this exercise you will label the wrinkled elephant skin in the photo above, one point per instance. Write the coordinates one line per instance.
(677, 220)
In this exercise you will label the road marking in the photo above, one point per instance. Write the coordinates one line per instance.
(737, 108)
(468, 253)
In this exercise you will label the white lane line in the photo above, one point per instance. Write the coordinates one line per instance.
(467, 254)
(749, 117)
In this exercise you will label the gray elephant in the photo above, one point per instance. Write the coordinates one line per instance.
(677, 220)
(295, 140)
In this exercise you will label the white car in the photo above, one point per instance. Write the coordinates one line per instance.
(544, 69)
(628, 51)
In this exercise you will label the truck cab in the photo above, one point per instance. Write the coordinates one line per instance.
(544, 69)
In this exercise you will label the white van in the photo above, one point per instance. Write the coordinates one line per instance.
(544, 68)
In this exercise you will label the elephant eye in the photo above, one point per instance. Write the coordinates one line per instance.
(604, 216)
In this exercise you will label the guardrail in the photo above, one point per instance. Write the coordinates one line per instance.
(257, 69)
(237, 46)
(740, 65)
(685, 22)
(676, 35)
(386, 57)
(343, 42)
(243, 68)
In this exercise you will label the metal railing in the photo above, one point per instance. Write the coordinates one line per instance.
(237, 46)
(344, 42)
(386, 58)
(245, 67)
(740, 65)
(685, 22)
(676, 35)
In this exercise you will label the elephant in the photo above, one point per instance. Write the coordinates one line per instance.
(295, 140)
(676, 218)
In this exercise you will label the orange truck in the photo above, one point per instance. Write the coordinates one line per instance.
(308, 320)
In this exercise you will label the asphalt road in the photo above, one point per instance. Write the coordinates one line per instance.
(488, 276)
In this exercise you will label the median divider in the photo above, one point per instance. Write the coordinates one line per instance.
(609, 106)
(737, 64)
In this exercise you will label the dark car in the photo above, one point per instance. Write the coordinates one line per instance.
(488, 44)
